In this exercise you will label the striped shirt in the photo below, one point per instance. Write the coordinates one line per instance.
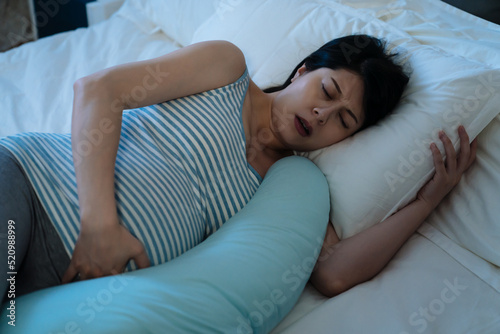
(181, 171)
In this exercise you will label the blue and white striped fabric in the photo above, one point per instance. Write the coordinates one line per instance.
(181, 171)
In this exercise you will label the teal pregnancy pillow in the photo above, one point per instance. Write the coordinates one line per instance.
(243, 279)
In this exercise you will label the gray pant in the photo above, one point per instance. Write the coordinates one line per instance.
(40, 257)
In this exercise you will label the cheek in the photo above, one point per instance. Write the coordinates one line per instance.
(284, 108)
(333, 135)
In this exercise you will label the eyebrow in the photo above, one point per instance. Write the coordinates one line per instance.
(340, 92)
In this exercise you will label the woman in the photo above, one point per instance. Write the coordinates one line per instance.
(148, 184)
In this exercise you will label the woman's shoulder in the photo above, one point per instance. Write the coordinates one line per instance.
(233, 60)
(189, 70)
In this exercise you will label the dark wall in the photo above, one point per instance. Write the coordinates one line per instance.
(486, 9)
(54, 16)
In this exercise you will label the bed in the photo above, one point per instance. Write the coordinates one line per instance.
(446, 278)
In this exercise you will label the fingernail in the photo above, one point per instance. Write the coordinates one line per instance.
(441, 134)
(461, 128)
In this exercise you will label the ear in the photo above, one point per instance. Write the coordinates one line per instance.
(299, 72)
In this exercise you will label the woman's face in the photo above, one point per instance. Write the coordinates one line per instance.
(318, 109)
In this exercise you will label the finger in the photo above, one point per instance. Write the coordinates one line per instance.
(116, 272)
(82, 276)
(472, 155)
(438, 160)
(451, 156)
(95, 273)
(463, 157)
(141, 260)
(70, 274)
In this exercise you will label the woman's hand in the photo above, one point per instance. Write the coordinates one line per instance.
(448, 173)
(104, 251)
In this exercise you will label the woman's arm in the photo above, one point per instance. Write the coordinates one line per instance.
(104, 246)
(343, 264)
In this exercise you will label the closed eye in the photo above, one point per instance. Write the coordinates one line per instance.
(343, 122)
(325, 91)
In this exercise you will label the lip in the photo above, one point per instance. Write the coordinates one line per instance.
(300, 129)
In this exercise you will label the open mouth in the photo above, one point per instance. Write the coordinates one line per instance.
(302, 127)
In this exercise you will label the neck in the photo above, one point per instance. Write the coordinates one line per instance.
(260, 133)
(263, 148)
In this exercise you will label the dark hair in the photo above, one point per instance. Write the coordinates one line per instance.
(383, 79)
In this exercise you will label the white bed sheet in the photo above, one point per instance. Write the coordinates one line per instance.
(409, 295)
(454, 300)
(36, 95)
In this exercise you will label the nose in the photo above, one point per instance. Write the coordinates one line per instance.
(324, 113)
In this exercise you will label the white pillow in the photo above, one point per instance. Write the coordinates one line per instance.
(273, 44)
(379, 170)
(178, 19)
